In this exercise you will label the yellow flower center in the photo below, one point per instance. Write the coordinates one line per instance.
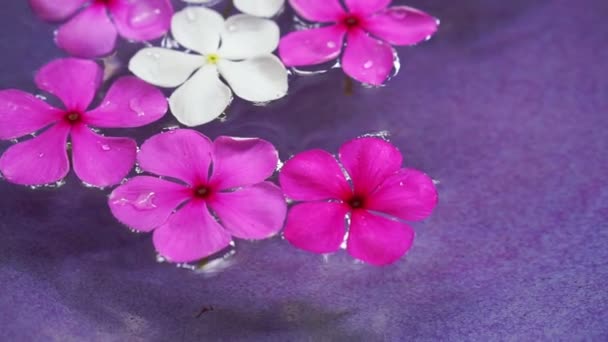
(213, 58)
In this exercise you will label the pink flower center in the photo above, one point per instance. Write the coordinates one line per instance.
(351, 21)
(202, 192)
(356, 202)
(103, 2)
(72, 117)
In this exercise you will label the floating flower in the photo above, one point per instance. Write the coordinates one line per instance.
(368, 28)
(382, 194)
(226, 176)
(97, 160)
(243, 60)
(92, 32)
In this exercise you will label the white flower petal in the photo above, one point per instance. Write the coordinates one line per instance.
(259, 79)
(259, 8)
(202, 99)
(164, 67)
(246, 36)
(198, 29)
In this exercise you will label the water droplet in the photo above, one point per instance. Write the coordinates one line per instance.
(331, 45)
(160, 258)
(191, 14)
(136, 106)
(368, 64)
(41, 97)
(398, 13)
(232, 28)
(145, 201)
(106, 147)
(40, 155)
(143, 14)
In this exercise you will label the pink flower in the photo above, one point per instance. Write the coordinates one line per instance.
(226, 176)
(369, 28)
(92, 32)
(381, 196)
(97, 160)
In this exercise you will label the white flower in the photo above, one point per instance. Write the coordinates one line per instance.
(244, 60)
(260, 8)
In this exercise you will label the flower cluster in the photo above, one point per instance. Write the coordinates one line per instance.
(197, 194)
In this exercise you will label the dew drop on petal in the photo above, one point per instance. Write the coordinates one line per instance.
(106, 147)
(368, 64)
(331, 44)
(145, 201)
(40, 155)
(135, 106)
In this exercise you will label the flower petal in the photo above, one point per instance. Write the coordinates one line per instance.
(183, 154)
(314, 46)
(378, 240)
(22, 113)
(317, 227)
(258, 79)
(141, 19)
(78, 39)
(401, 25)
(245, 36)
(408, 194)
(164, 67)
(313, 175)
(255, 212)
(366, 7)
(144, 202)
(54, 10)
(42, 160)
(101, 161)
(130, 102)
(190, 234)
(366, 59)
(322, 11)
(198, 29)
(369, 161)
(74, 81)
(259, 8)
(241, 162)
(201, 99)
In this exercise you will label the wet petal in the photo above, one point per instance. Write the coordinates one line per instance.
(190, 234)
(164, 67)
(378, 240)
(409, 194)
(141, 19)
(144, 203)
(130, 102)
(54, 10)
(317, 227)
(366, 59)
(241, 162)
(101, 161)
(310, 47)
(369, 161)
(74, 81)
(198, 29)
(366, 7)
(259, 8)
(201, 99)
(258, 79)
(313, 175)
(183, 154)
(255, 212)
(401, 25)
(246, 36)
(42, 160)
(322, 11)
(78, 39)
(22, 113)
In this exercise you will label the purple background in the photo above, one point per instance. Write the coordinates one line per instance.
(507, 107)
